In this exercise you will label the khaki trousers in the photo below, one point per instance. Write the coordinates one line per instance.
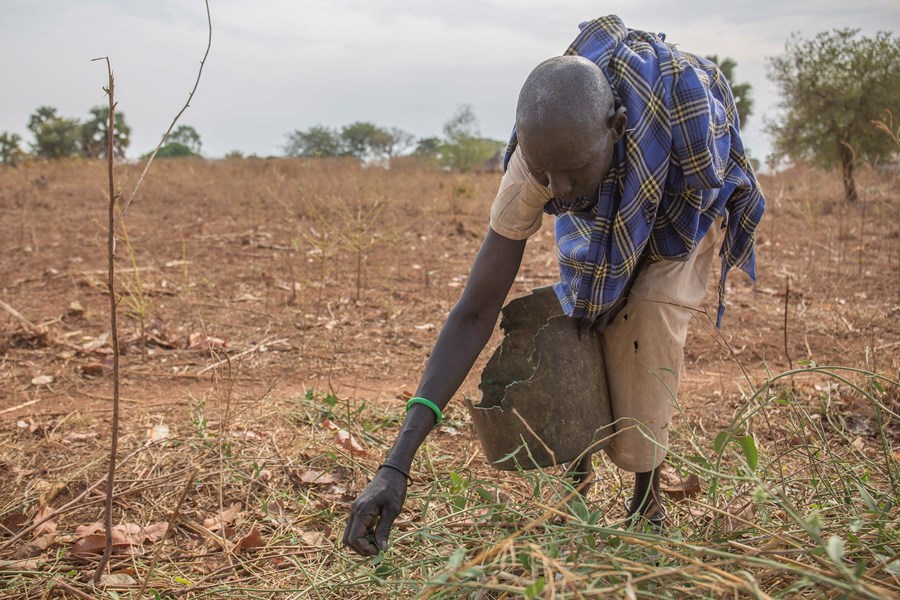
(644, 351)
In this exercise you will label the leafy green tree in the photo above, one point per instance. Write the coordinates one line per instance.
(95, 130)
(318, 140)
(186, 136)
(428, 147)
(10, 152)
(464, 148)
(390, 143)
(832, 87)
(175, 150)
(357, 139)
(54, 136)
(743, 98)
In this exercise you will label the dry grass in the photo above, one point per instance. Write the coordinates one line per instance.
(257, 339)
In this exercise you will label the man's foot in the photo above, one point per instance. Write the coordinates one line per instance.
(654, 514)
(646, 504)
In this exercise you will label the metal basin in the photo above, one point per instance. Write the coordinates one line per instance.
(544, 393)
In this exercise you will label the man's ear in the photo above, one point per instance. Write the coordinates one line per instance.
(617, 122)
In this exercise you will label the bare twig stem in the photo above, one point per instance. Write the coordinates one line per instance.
(111, 287)
(174, 121)
(57, 582)
(787, 305)
(251, 350)
(114, 220)
(536, 436)
(28, 325)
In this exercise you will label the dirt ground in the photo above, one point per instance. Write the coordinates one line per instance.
(264, 286)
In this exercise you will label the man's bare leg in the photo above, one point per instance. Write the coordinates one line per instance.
(582, 474)
(646, 500)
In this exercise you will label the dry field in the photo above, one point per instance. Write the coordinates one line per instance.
(275, 313)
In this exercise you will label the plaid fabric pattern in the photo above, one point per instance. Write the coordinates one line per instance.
(680, 165)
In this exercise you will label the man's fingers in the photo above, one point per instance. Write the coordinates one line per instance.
(361, 520)
(383, 529)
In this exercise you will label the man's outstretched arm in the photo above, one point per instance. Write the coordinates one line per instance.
(467, 330)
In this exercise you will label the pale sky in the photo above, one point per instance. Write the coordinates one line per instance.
(280, 65)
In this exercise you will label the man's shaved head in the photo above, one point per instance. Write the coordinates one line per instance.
(567, 125)
(564, 94)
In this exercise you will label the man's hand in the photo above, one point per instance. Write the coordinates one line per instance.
(372, 514)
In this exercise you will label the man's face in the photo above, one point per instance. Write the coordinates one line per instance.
(571, 166)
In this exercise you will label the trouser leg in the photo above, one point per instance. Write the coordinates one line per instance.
(643, 347)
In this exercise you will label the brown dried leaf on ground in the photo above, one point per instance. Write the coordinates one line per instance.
(316, 477)
(75, 436)
(200, 341)
(344, 439)
(156, 531)
(157, 433)
(677, 486)
(42, 380)
(125, 535)
(35, 546)
(740, 513)
(92, 370)
(314, 538)
(100, 344)
(19, 565)
(13, 523)
(90, 544)
(252, 540)
(117, 580)
(47, 526)
(226, 517)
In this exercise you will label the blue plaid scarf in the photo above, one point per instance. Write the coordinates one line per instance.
(680, 165)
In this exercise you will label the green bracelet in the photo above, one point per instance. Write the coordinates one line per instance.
(426, 402)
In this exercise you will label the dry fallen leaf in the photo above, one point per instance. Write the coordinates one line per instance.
(75, 436)
(156, 531)
(117, 580)
(226, 517)
(93, 536)
(312, 476)
(199, 341)
(19, 565)
(85, 530)
(35, 546)
(157, 433)
(676, 486)
(343, 438)
(92, 370)
(75, 310)
(47, 526)
(94, 543)
(737, 517)
(42, 380)
(252, 540)
(13, 523)
(313, 538)
(96, 344)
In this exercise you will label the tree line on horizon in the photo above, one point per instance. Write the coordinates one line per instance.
(462, 147)
(58, 137)
(839, 91)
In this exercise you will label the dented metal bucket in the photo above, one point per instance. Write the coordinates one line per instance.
(542, 375)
